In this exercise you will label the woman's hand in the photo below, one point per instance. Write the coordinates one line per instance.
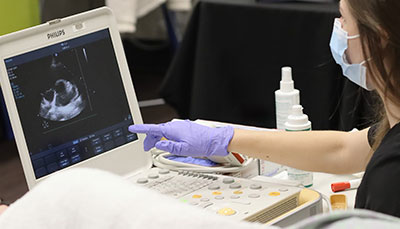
(186, 138)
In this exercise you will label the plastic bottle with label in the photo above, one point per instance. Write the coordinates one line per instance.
(285, 98)
(298, 121)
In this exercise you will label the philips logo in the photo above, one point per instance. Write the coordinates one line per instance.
(55, 34)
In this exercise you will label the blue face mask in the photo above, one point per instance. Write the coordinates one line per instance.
(354, 72)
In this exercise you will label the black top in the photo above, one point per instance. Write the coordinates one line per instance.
(380, 187)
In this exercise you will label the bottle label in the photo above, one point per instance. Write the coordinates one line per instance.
(283, 109)
(269, 169)
(306, 178)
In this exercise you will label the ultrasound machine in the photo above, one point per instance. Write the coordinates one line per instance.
(70, 98)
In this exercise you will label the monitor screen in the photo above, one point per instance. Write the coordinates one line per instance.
(71, 101)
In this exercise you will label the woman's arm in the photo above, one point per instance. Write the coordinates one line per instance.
(322, 151)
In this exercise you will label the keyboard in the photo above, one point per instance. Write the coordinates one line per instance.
(238, 198)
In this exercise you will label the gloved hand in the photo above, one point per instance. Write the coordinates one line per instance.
(186, 138)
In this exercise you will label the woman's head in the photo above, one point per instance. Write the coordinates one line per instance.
(378, 24)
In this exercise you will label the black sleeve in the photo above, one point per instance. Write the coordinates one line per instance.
(384, 187)
(371, 134)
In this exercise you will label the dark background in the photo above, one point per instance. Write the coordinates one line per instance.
(228, 67)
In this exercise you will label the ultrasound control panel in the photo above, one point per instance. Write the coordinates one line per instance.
(233, 197)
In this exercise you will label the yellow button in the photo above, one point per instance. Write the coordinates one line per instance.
(226, 211)
(196, 196)
(274, 193)
(217, 193)
(238, 192)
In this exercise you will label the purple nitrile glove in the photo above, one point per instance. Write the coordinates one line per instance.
(186, 138)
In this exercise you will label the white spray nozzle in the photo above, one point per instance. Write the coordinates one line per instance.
(287, 84)
(286, 74)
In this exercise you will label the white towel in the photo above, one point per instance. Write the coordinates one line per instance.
(87, 198)
(127, 11)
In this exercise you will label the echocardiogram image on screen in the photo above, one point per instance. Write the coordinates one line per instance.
(71, 101)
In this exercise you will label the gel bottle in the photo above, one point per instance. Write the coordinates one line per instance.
(298, 121)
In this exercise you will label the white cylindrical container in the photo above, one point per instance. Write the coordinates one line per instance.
(285, 98)
(298, 121)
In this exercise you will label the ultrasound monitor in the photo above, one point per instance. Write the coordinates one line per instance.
(72, 102)
(78, 107)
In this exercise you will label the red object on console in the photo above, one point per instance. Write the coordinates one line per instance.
(340, 186)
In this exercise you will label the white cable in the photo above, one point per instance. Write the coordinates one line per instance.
(328, 202)
(160, 160)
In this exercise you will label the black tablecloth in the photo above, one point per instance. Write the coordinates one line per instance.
(228, 65)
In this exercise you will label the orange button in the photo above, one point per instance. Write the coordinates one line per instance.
(217, 193)
(196, 196)
(226, 211)
(274, 193)
(238, 192)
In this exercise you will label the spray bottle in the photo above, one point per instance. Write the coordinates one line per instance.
(298, 121)
(285, 98)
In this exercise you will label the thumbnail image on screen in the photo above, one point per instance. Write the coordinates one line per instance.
(71, 101)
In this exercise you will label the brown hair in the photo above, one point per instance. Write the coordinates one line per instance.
(378, 22)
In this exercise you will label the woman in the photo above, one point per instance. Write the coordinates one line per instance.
(366, 43)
